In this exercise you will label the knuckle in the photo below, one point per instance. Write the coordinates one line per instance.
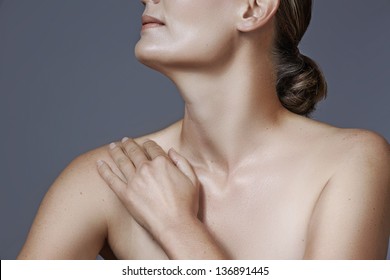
(160, 159)
(144, 167)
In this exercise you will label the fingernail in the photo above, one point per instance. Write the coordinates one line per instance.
(112, 145)
(125, 139)
(99, 163)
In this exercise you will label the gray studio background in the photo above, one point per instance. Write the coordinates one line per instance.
(69, 83)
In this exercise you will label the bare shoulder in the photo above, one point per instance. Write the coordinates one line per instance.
(83, 167)
(364, 155)
(358, 154)
(71, 221)
(348, 144)
(362, 149)
(365, 142)
(352, 214)
(82, 174)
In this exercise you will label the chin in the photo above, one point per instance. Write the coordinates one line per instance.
(150, 56)
(179, 57)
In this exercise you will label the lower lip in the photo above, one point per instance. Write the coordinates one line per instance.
(151, 25)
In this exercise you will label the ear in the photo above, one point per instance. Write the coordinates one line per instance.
(256, 13)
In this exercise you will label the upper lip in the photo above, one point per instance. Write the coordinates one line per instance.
(149, 19)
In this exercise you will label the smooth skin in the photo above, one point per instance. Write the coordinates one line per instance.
(239, 177)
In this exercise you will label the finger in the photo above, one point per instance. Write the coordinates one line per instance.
(153, 150)
(134, 152)
(184, 166)
(122, 160)
(112, 180)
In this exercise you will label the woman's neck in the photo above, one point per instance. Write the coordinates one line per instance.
(228, 114)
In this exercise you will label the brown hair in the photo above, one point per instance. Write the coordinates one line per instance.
(300, 82)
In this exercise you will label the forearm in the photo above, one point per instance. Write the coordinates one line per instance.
(191, 241)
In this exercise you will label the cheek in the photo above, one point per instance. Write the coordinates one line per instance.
(200, 24)
(203, 43)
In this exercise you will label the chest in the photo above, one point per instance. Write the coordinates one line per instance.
(267, 219)
(251, 217)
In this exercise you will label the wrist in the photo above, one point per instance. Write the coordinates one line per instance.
(177, 228)
(190, 239)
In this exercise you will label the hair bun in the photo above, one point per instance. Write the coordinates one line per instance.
(301, 84)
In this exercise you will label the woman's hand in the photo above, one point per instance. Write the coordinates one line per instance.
(161, 191)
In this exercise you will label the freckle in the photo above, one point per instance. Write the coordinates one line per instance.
(81, 193)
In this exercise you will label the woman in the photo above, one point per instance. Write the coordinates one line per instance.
(245, 174)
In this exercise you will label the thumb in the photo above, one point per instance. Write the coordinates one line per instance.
(183, 165)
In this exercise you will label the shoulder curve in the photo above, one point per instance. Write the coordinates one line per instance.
(347, 142)
(359, 153)
(366, 143)
(86, 161)
(87, 158)
(81, 175)
(363, 135)
(355, 201)
(365, 157)
(71, 222)
(81, 170)
(82, 166)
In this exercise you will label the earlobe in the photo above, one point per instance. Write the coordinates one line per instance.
(257, 13)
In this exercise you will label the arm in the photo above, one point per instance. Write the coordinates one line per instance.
(351, 219)
(70, 223)
(161, 193)
(191, 241)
